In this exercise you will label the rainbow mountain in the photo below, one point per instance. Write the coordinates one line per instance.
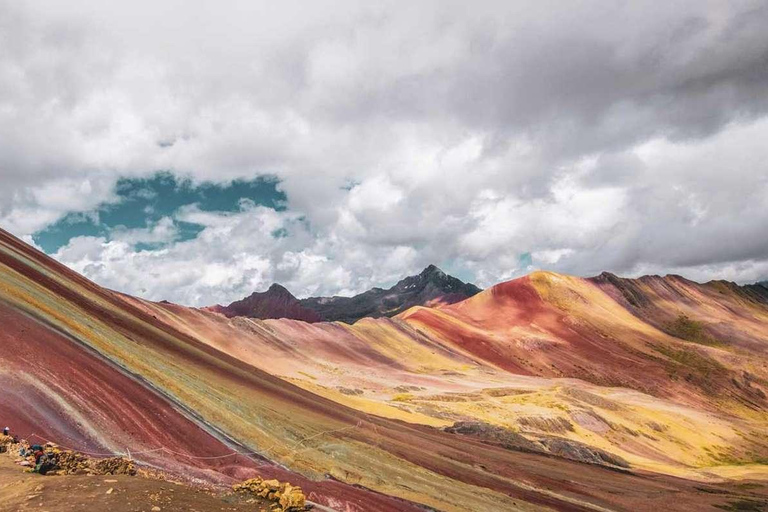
(547, 392)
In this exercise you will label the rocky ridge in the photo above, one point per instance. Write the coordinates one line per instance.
(431, 287)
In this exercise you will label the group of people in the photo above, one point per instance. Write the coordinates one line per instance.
(39, 458)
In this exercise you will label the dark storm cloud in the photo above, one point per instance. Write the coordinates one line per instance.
(682, 74)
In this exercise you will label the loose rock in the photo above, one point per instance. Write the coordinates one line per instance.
(287, 497)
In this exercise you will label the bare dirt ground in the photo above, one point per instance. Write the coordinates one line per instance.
(119, 493)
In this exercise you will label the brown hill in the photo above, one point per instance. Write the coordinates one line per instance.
(276, 302)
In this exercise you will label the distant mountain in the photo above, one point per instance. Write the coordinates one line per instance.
(431, 287)
(759, 289)
(276, 302)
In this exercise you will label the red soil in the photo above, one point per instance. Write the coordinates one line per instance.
(45, 367)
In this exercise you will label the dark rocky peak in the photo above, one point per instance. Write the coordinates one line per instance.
(430, 286)
(276, 302)
(278, 290)
(442, 281)
(432, 271)
(429, 274)
(607, 276)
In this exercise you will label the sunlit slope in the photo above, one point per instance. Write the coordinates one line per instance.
(303, 431)
(552, 325)
(491, 358)
(718, 313)
(54, 389)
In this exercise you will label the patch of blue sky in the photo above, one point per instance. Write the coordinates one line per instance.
(457, 269)
(141, 203)
(280, 233)
(525, 260)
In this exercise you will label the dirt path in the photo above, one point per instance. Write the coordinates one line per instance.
(27, 491)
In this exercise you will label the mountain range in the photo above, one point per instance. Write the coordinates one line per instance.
(432, 287)
(546, 392)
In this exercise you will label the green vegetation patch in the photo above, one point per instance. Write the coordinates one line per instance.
(691, 359)
(688, 329)
(698, 369)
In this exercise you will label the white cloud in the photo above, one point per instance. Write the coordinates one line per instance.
(235, 254)
(623, 137)
(163, 232)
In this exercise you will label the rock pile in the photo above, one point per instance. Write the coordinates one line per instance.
(287, 497)
(66, 462)
(113, 466)
(73, 463)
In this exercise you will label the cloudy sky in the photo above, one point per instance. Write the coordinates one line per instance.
(197, 153)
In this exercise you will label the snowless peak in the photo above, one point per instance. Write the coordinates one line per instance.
(432, 270)
(276, 288)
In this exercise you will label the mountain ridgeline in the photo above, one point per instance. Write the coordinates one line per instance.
(545, 392)
(432, 287)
